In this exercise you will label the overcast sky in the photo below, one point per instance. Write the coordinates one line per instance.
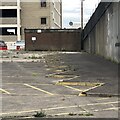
(71, 11)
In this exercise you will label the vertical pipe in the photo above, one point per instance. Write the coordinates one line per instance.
(61, 13)
(18, 20)
(82, 14)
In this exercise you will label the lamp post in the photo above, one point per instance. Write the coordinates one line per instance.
(82, 14)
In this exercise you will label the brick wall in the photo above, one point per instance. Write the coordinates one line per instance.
(66, 40)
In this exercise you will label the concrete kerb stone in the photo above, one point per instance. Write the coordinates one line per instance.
(60, 118)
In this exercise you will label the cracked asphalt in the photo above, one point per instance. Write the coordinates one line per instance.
(62, 84)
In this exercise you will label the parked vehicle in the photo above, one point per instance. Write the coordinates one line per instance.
(3, 45)
(20, 44)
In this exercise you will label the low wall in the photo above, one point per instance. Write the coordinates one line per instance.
(51, 39)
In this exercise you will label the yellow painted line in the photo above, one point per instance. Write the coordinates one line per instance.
(72, 88)
(79, 83)
(12, 83)
(58, 70)
(59, 66)
(58, 76)
(4, 91)
(38, 89)
(91, 88)
(71, 78)
(61, 80)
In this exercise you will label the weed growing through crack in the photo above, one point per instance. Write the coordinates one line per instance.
(86, 114)
(81, 114)
(40, 114)
(72, 114)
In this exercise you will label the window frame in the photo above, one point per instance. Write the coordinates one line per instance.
(43, 22)
(43, 3)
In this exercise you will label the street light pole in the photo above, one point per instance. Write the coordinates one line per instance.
(82, 14)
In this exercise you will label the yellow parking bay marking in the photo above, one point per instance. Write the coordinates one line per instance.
(4, 91)
(91, 88)
(38, 89)
(90, 84)
(94, 87)
(72, 88)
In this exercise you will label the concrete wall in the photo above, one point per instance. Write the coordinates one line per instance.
(103, 36)
(66, 40)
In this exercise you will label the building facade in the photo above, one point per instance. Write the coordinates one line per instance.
(17, 15)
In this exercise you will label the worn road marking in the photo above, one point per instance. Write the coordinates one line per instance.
(94, 87)
(72, 88)
(22, 84)
(46, 109)
(52, 74)
(66, 79)
(59, 114)
(105, 103)
(103, 98)
(64, 107)
(114, 108)
(90, 84)
(91, 88)
(4, 91)
(38, 89)
(107, 109)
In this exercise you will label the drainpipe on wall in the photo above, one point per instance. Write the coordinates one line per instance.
(18, 20)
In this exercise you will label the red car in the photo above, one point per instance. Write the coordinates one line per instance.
(3, 46)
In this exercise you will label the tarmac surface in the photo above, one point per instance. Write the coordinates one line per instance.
(58, 84)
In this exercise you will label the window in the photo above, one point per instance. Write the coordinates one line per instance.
(8, 13)
(43, 3)
(8, 31)
(43, 21)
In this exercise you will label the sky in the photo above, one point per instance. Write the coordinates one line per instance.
(71, 11)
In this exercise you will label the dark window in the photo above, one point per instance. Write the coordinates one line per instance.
(43, 3)
(8, 12)
(8, 31)
(43, 21)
